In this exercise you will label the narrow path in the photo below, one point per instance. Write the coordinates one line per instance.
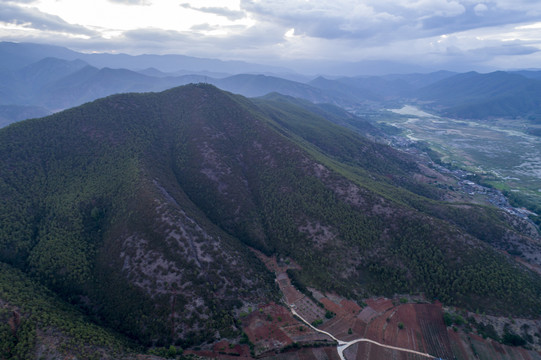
(343, 345)
(342, 348)
(340, 342)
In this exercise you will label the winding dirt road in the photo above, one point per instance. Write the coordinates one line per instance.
(343, 345)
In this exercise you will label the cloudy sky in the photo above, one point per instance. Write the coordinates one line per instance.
(432, 34)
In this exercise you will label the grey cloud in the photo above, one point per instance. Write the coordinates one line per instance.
(204, 27)
(253, 37)
(483, 58)
(480, 9)
(131, 2)
(530, 7)
(155, 35)
(440, 8)
(453, 51)
(33, 18)
(507, 50)
(324, 30)
(255, 43)
(475, 16)
(324, 19)
(386, 20)
(337, 19)
(220, 11)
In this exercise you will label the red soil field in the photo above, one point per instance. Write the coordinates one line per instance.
(272, 327)
(415, 326)
(364, 351)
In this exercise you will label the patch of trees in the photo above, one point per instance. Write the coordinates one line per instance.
(425, 266)
(38, 308)
(512, 339)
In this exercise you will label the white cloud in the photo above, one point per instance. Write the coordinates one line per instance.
(261, 30)
(132, 2)
(33, 18)
(480, 9)
(220, 11)
(436, 7)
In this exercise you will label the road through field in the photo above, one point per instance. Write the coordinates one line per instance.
(343, 345)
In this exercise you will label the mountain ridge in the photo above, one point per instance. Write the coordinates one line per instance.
(480, 96)
(26, 53)
(141, 204)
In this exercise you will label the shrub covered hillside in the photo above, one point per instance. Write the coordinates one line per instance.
(141, 209)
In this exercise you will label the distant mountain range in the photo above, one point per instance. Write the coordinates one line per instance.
(13, 56)
(481, 96)
(40, 79)
(36, 80)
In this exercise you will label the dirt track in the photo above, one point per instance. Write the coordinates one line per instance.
(342, 345)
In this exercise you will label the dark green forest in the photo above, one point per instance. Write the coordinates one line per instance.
(136, 214)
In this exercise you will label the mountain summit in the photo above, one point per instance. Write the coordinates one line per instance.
(145, 210)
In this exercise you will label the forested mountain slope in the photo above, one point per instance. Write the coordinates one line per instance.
(141, 209)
